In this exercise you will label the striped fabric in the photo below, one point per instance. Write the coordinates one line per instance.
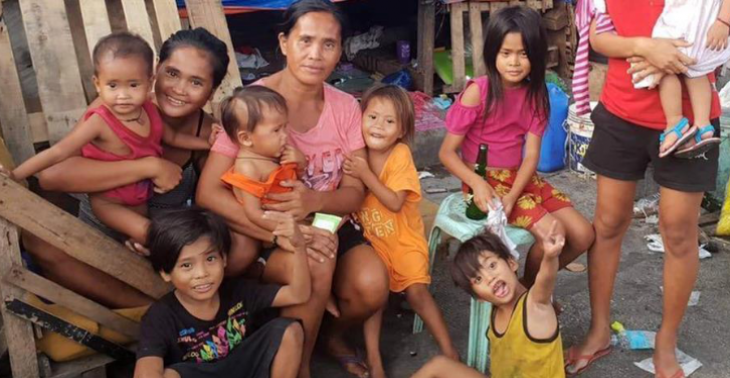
(585, 12)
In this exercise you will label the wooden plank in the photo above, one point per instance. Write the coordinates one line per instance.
(168, 19)
(87, 244)
(52, 50)
(86, 67)
(67, 298)
(18, 332)
(13, 119)
(72, 369)
(38, 127)
(426, 41)
(709, 218)
(209, 14)
(138, 21)
(95, 20)
(477, 40)
(457, 45)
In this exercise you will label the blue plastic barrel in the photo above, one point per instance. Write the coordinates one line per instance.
(552, 150)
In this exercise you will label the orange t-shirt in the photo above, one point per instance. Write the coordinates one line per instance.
(398, 237)
(640, 106)
(261, 189)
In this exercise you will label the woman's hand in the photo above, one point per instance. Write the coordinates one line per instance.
(665, 55)
(165, 176)
(300, 202)
(717, 36)
(508, 203)
(321, 244)
(641, 69)
(484, 194)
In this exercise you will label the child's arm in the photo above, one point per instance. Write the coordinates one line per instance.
(82, 134)
(184, 141)
(483, 192)
(524, 173)
(149, 367)
(293, 155)
(552, 243)
(251, 203)
(357, 166)
(718, 33)
(299, 288)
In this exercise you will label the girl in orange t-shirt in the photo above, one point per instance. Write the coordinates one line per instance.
(390, 213)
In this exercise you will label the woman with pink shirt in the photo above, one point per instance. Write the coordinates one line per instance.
(507, 109)
(325, 125)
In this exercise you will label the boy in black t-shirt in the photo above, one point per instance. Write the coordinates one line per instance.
(200, 328)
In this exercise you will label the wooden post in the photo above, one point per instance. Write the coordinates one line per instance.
(168, 20)
(427, 31)
(96, 21)
(138, 21)
(13, 117)
(59, 80)
(18, 332)
(457, 46)
(209, 14)
(477, 40)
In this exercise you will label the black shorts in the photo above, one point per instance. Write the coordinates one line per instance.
(251, 359)
(622, 150)
(349, 236)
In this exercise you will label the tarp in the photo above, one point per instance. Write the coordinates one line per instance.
(242, 6)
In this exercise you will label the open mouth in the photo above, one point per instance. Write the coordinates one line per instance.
(500, 289)
(175, 101)
(203, 288)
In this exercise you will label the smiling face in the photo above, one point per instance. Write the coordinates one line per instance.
(512, 62)
(198, 272)
(123, 83)
(380, 125)
(184, 82)
(313, 47)
(496, 281)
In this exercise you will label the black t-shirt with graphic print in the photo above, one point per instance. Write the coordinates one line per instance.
(169, 331)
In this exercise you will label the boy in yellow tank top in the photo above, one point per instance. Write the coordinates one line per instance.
(524, 333)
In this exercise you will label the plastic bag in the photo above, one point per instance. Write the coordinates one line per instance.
(401, 78)
(497, 223)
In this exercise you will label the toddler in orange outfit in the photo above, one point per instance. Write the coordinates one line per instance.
(256, 117)
(390, 214)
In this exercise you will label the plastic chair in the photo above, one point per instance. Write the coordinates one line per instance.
(451, 220)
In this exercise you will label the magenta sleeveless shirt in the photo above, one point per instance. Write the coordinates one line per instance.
(140, 147)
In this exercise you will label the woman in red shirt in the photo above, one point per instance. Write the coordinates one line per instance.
(628, 124)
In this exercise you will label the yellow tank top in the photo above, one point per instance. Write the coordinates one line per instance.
(515, 354)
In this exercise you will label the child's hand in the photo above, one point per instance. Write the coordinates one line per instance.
(287, 228)
(356, 166)
(214, 131)
(484, 194)
(7, 172)
(717, 36)
(292, 155)
(552, 242)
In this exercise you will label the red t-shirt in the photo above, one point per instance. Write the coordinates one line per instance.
(640, 106)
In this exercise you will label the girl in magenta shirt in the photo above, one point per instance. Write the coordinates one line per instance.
(507, 109)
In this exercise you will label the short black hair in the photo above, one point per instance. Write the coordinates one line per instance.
(122, 45)
(203, 40)
(466, 262)
(252, 98)
(171, 230)
(302, 7)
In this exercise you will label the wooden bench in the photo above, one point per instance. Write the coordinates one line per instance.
(60, 36)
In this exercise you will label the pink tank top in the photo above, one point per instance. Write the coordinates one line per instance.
(140, 147)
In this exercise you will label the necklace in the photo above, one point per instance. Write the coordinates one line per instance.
(137, 119)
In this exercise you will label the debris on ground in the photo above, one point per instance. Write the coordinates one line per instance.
(689, 364)
(655, 244)
(646, 206)
(424, 175)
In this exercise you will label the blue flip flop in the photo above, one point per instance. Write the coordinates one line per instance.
(700, 145)
(682, 138)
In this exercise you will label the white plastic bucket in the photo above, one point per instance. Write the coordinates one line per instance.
(580, 131)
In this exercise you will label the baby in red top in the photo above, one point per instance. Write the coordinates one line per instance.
(256, 118)
(125, 126)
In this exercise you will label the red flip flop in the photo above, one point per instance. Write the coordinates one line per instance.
(572, 358)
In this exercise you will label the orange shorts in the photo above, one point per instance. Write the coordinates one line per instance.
(537, 199)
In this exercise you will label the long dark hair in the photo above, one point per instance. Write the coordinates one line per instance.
(528, 23)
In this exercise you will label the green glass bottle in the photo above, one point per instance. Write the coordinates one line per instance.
(472, 210)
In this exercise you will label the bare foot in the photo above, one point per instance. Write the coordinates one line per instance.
(350, 360)
(331, 306)
(665, 358)
(594, 342)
